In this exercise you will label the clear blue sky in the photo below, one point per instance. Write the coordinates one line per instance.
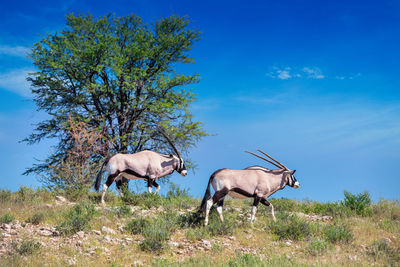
(313, 83)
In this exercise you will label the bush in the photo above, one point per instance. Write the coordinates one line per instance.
(5, 195)
(317, 247)
(216, 227)
(27, 247)
(381, 249)
(245, 260)
(290, 227)
(190, 219)
(387, 209)
(137, 225)
(156, 236)
(176, 192)
(158, 232)
(155, 232)
(26, 194)
(331, 209)
(77, 219)
(337, 234)
(35, 218)
(123, 210)
(358, 203)
(284, 204)
(7, 218)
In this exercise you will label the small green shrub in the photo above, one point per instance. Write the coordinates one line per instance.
(26, 247)
(284, 204)
(316, 247)
(158, 232)
(5, 195)
(387, 209)
(77, 219)
(193, 234)
(26, 194)
(156, 236)
(391, 226)
(137, 225)
(176, 192)
(123, 210)
(190, 219)
(7, 218)
(245, 260)
(358, 203)
(76, 194)
(332, 209)
(381, 249)
(290, 227)
(35, 218)
(217, 228)
(337, 234)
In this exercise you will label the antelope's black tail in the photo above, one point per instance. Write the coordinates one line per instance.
(99, 174)
(207, 194)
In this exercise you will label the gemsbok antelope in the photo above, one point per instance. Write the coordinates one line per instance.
(147, 165)
(253, 182)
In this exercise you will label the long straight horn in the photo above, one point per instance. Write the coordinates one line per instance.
(169, 141)
(264, 159)
(273, 159)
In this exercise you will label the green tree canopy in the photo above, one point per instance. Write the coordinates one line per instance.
(117, 74)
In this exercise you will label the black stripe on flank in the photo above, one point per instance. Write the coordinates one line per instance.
(130, 172)
(242, 192)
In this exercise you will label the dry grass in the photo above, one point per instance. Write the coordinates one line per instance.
(247, 245)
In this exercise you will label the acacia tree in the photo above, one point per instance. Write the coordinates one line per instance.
(121, 73)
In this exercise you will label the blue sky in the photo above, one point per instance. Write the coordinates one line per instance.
(313, 83)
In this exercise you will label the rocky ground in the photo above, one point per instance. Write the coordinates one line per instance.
(108, 242)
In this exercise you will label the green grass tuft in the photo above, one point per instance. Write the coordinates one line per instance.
(7, 218)
(77, 219)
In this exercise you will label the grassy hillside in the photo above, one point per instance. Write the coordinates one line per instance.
(39, 227)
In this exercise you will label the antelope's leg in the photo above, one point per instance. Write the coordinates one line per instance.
(149, 183)
(118, 183)
(216, 197)
(220, 204)
(106, 185)
(157, 187)
(267, 203)
(254, 209)
(208, 207)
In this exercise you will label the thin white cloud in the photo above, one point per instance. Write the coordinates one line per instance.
(15, 51)
(284, 75)
(15, 81)
(313, 73)
(349, 77)
(289, 73)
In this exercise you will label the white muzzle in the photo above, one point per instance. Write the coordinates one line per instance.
(296, 184)
(184, 173)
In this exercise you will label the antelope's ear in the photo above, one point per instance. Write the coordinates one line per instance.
(293, 172)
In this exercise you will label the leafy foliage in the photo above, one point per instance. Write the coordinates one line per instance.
(7, 218)
(115, 78)
(338, 234)
(358, 203)
(317, 247)
(36, 218)
(290, 227)
(5, 195)
(77, 219)
(26, 247)
(381, 249)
